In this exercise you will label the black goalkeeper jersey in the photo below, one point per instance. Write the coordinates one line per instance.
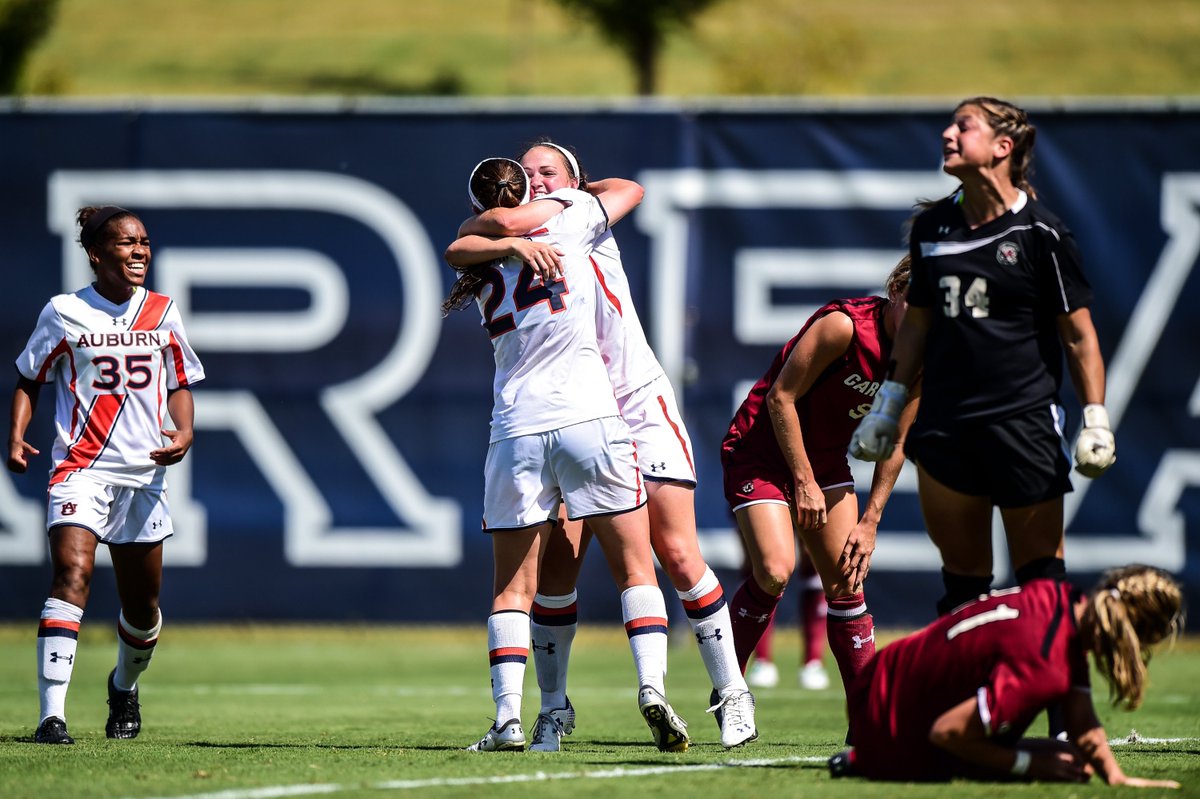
(994, 293)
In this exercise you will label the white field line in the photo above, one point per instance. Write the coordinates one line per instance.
(278, 791)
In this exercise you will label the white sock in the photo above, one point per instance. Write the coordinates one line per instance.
(58, 638)
(708, 613)
(508, 650)
(134, 649)
(554, 621)
(645, 614)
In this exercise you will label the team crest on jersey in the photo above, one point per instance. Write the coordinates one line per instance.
(69, 508)
(1007, 253)
(747, 487)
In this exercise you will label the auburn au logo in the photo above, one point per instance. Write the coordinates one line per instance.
(69, 508)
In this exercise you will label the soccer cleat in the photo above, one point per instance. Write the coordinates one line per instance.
(736, 718)
(508, 737)
(813, 676)
(842, 764)
(124, 712)
(547, 734)
(716, 708)
(565, 716)
(52, 730)
(762, 674)
(670, 731)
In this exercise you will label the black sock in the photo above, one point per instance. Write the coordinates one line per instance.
(961, 588)
(1054, 568)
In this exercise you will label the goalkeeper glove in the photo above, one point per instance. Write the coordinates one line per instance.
(875, 437)
(1095, 449)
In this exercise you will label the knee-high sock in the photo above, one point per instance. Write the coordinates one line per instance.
(851, 635)
(554, 621)
(134, 649)
(508, 650)
(763, 649)
(58, 637)
(753, 609)
(645, 614)
(961, 588)
(708, 614)
(813, 611)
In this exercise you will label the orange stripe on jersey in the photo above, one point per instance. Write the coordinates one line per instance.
(152, 313)
(60, 349)
(662, 403)
(713, 596)
(177, 361)
(94, 437)
(612, 298)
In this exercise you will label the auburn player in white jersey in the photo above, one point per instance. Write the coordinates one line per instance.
(120, 361)
(647, 402)
(556, 435)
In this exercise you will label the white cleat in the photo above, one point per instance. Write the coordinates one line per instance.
(547, 734)
(670, 731)
(813, 676)
(762, 674)
(508, 737)
(565, 716)
(735, 714)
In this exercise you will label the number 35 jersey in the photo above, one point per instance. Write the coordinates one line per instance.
(549, 372)
(112, 366)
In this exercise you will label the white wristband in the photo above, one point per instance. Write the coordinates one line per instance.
(1020, 766)
(1095, 415)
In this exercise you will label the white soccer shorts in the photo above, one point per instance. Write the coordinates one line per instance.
(663, 446)
(591, 465)
(114, 514)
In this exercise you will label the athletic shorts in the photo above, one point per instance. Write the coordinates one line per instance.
(1018, 461)
(114, 514)
(663, 447)
(751, 479)
(592, 466)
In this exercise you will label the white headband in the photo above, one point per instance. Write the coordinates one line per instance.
(475, 203)
(571, 162)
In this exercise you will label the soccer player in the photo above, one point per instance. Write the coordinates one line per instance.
(997, 296)
(647, 403)
(120, 361)
(785, 468)
(953, 700)
(557, 434)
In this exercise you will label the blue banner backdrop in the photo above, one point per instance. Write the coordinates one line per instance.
(337, 470)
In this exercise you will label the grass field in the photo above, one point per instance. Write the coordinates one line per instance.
(257, 712)
(815, 48)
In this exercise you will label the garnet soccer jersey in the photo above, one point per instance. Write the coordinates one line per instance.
(549, 372)
(112, 366)
(993, 292)
(630, 361)
(1016, 651)
(830, 410)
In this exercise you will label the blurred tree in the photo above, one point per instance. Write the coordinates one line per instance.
(23, 23)
(639, 28)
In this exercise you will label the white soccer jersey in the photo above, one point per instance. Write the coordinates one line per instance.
(630, 361)
(549, 372)
(112, 366)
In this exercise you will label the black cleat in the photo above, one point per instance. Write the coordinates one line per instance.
(842, 764)
(52, 730)
(124, 712)
(714, 700)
